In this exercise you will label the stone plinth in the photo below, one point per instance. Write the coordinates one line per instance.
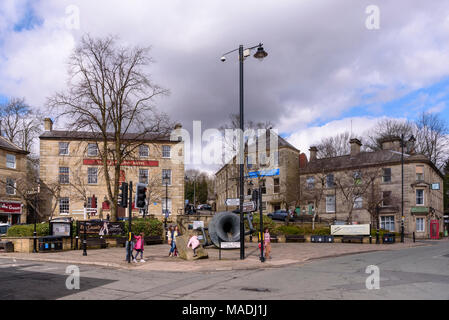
(187, 253)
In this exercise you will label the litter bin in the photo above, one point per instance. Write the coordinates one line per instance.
(319, 239)
(389, 238)
(50, 243)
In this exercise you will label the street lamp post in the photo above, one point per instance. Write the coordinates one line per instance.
(166, 182)
(243, 53)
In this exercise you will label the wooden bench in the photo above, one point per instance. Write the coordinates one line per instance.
(149, 240)
(352, 239)
(6, 246)
(295, 238)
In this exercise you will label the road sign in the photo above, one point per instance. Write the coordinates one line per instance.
(249, 206)
(233, 202)
(230, 245)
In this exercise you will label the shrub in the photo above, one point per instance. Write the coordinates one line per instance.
(150, 227)
(267, 223)
(42, 229)
(382, 232)
(289, 230)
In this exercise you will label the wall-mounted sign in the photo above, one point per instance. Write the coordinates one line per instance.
(126, 163)
(10, 207)
(435, 186)
(350, 230)
(264, 173)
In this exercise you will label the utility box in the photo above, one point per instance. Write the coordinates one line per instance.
(50, 243)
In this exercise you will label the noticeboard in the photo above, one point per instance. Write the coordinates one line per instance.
(61, 229)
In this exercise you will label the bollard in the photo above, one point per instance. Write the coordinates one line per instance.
(414, 239)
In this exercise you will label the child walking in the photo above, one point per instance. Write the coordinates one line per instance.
(267, 243)
(139, 247)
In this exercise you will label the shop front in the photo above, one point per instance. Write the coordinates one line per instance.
(10, 212)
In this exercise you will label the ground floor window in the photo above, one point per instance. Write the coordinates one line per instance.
(166, 204)
(330, 204)
(264, 205)
(64, 205)
(387, 223)
(420, 225)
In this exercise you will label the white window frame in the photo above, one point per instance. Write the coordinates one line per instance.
(330, 205)
(147, 176)
(63, 154)
(358, 202)
(10, 186)
(8, 163)
(90, 149)
(144, 155)
(391, 222)
(423, 198)
(64, 212)
(310, 182)
(419, 225)
(165, 149)
(91, 175)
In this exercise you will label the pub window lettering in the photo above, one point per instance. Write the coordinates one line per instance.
(63, 148)
(10, 161)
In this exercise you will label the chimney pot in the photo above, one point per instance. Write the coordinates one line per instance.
(48, 124)
(355, 146)
(313, 152)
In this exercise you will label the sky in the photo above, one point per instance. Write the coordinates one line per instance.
(326, 71)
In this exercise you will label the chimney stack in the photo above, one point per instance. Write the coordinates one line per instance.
(48, 124)
(313, 152)
(355, 146)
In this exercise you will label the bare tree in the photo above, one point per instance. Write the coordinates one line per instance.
(386, 128)
(334, 146)
(313, 191)
(354, 184)
(20, 124)
(111, 96)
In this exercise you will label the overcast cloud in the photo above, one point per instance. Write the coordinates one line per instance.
(323, 62)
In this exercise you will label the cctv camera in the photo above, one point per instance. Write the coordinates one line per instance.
(223, 58)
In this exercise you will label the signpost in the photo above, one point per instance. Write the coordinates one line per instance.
(249, 206)
(232, 202)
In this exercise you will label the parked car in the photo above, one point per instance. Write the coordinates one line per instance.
(4, 228)
(204, 207)
(281, 214)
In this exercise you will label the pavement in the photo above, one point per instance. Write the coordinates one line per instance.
(408, 273)
(156, 256)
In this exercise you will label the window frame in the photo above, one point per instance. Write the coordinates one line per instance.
(147, 151)
(391, 222)
(67, 147)
(14, 163)
(147, 175)
(330, 203)
(64, 174)
(164, 151)
(276, 186)
(89, 175)
(423, 197)
(165, 170)
(417, 174)
(12, 186)
(89, 149)
(61, 204)
(328, 180)
(385, 175)
(423, 224)
(358, 202)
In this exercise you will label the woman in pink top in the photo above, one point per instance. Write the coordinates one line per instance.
(193, 243)
(267, 243)
(139, 247)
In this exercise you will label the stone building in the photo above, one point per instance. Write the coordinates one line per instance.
(275, 169)
(72, 173)
(13, 171)
(357, 183)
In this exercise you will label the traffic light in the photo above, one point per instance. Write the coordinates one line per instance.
(123, 195)
(141, 195)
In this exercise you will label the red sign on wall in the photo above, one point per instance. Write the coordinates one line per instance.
(10, 207)
(126, 163)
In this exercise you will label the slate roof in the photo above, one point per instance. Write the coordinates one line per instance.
(8, 145)
(363, 159)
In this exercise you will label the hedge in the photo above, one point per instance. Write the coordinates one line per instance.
(27, 230)
(301, 230)
(267, 223)
(381, 233)
(150, 227)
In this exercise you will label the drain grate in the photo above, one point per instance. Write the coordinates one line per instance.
(256, 289)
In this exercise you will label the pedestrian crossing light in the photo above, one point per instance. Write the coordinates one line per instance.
(141, 195)
(123, 195)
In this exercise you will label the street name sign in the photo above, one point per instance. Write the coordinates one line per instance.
(233, 202)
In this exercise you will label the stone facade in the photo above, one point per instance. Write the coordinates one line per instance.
(274, 194)
(13, 208)
(420, 207)
(86, 178)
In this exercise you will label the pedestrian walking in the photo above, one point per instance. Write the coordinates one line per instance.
(139, 247)
(193, 243)
(267, 243)
(176, 233)
(171, 236)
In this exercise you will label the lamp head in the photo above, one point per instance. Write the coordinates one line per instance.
(261, 53)
(223, 59)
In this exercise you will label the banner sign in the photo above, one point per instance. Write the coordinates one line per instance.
(350, 230)
(126, 163)
(264, 173)
(101, 228)
(10, 207)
